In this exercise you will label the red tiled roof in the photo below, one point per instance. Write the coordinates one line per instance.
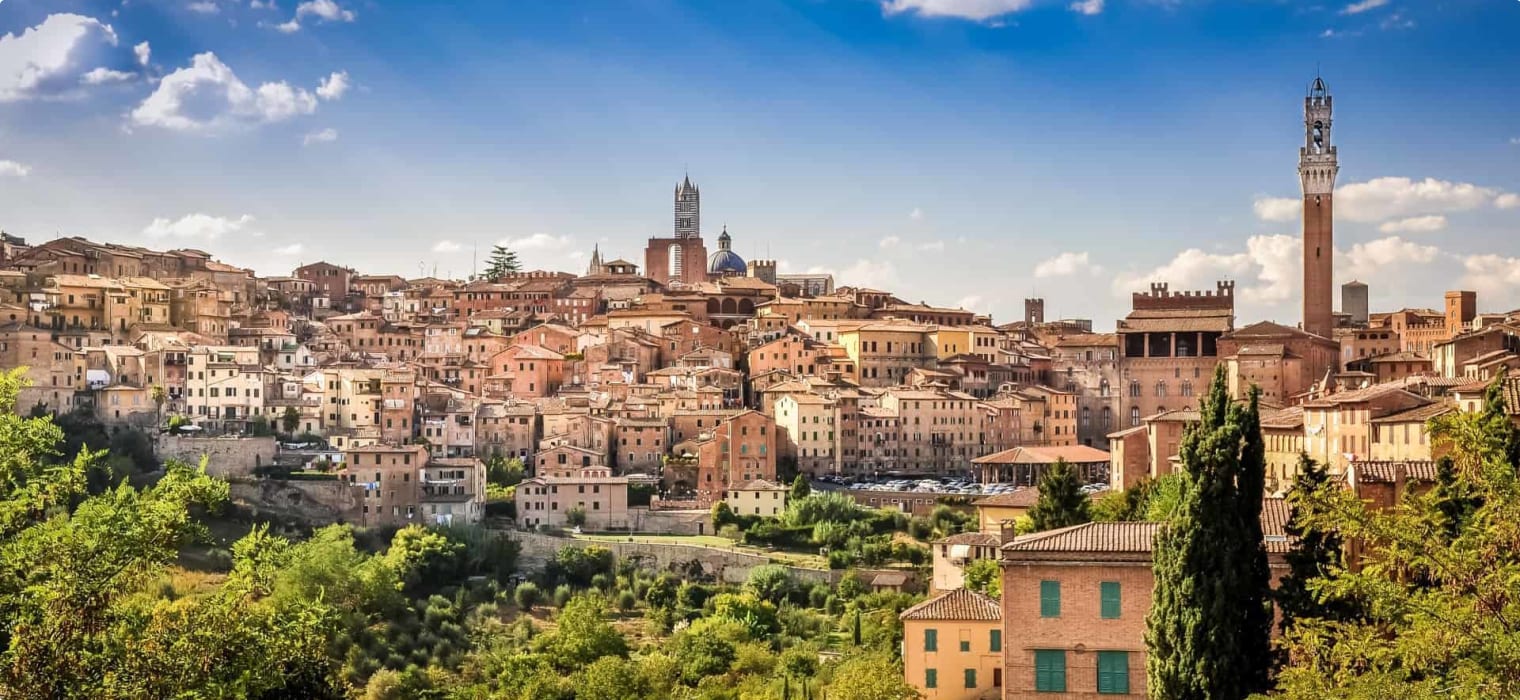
(1089, 538)
(959, 604)
(1074, 454)
(1021, 498)
(973, 538)
(1421, 471)
(1417, 415)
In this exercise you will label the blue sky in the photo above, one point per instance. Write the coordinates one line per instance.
(961, 152)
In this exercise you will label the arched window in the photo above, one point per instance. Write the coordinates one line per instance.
(1134, 389)
(1160, 389)
(1134, 416)
(1108, 418)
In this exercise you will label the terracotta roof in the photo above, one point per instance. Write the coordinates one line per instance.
(1074, 454)
(1406, 356)
(1423, 471)
(1359, 395)
(1268, 329)
(974, 538)
(1274, 525)
(1417, 415)
(1088, 340)
(1283, 418)
(1090, 538)
(1177, 415)
(889, 579)
(959, 604)
(1020, 498)
(761, 485)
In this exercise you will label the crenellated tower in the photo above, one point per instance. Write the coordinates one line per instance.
(1317, 168)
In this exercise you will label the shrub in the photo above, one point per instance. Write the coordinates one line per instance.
(562, 595)
(528, 595)
(626, 600)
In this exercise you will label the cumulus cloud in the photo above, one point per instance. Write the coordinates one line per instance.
(322, 10)
(977, 10)
(1382, 257)
(328, 135)
(51, 59)
(204, 7)
(1087, 7)
(10, 168)
(208, 96)
(880, 274)
(202, 226)
(1388, 198)
(1265, 272)
(1414, 224)
(447, 247)
(1492, 277)
(334, 86)
(1357, 8)
(144, 53)
(292, 249)
(1066, 264)
(889, 242)
(537, 241)
(101, 76)
(973, 302)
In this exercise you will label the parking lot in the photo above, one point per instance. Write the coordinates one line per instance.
(948, 485)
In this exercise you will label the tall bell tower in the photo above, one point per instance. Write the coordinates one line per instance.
(1317, 167)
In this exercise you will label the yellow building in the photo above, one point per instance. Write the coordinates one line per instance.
(977, 341)
(953, 646)
(758, 497)
(883, 352)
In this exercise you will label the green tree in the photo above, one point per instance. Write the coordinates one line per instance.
(611, 678)
(661, 593)
(871, 676)
(1316, 552)
(1061, 502)
(575, 517)
(502, 471)
(290, 419)
(582, 634)
(423, 558)
(1209, 625)
(771, 583)
(984, 576)
(800, 487)
(502, 262)
(528, 595)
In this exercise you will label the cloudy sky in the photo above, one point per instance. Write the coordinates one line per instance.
(961, 152)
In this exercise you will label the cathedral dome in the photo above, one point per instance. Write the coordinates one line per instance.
(725, 261)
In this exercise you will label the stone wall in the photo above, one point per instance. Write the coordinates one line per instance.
(314, 502)
(227, 456)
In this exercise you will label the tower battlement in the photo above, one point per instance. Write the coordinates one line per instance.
(1161, 298)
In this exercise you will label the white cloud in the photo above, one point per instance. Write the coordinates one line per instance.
(916, 215)
(1265, 273)
(879, 274)
(144, 53)
(931, 246)
(49, 60)
(323, 10)
(973, 302)
(101, 76)
(205, 7)
(201, 226)
(207, 96)
(292, 249)
(1363, 6)
(262, 4)
(10, 168)
(1396, 20)
(537, 241)
(1277, 209)
(1414, 224)
(1377, 259)
(334, 86)
(1087, 7)
(889, 242)
(328, 135)
(1066, 264)
(447, 247)
(1492, 276)
(965, 9)
(1385, 198)
(1514, 140)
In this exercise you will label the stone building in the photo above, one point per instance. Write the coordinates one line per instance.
(1317, 167)
(680, 257)
(1169, 347)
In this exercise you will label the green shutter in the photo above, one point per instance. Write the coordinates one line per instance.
(1050, 599)
(970, 678)
(1109, 591)
(1113, 672)
(931, 678)
(931, 640)
(965, 645)
(997, 640)
(1050, 671)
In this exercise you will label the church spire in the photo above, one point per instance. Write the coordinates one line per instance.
(595, 268)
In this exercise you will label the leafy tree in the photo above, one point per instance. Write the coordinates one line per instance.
(771, 583)
(528, 595)
(502, 471)
(579, 565)
(753, 614)
(575, 517)
(260, 427)
(703, 650)
(502, 262)
(422, 557)
(1209, 626)
(872, 676)
(984, 576)
(1316, 552)
(722, 515)
(611, 678)
(800, 487)
(582, 635)
(661, 593)
(290, 420)
(851, 586)
(1061, 502)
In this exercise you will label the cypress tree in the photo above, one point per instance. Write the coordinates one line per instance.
(800, 488)
(1209, 625)
(1316, 552)
(1061, 503)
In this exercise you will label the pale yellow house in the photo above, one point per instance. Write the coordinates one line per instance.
(954, 553)
(991, 511)
(953, 646)
(758, 497)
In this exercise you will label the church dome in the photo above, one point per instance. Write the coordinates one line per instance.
(725, 261)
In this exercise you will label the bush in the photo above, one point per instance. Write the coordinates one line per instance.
(528, 595)
(626, 600)
(562, 595)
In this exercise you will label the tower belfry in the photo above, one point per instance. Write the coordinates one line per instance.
(688, 210)
(1317, 168)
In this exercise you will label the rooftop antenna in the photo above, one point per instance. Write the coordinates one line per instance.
(474, 257)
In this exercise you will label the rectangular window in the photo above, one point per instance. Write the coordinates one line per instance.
(931, 678)
(1050, 599)
(1049, 671)
(1113, 672)
(997, 640)
(965, 645)
(970, 678)
(931, 640)
(1108, 591)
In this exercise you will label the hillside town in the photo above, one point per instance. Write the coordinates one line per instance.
(639, 396)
